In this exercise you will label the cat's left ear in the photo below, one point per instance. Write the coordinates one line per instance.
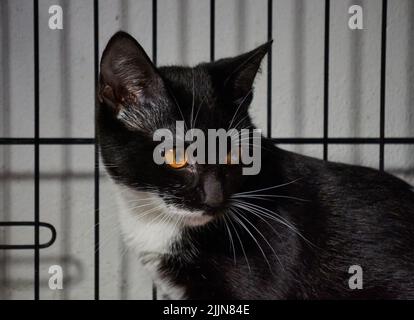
(239, 72)
(128, 77)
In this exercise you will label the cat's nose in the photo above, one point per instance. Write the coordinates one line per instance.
(213, 192)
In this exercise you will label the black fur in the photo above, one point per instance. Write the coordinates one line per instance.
(343, 215)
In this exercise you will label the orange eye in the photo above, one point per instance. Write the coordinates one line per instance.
(175, 159)
(233, 157)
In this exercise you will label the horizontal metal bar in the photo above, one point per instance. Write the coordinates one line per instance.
(28, 224)
(52, 141)
(75, 141)
(404, 140)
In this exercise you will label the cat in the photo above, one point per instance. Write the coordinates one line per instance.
(207, 231)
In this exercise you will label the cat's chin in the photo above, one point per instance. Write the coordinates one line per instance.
(197, 220)
(190, 218)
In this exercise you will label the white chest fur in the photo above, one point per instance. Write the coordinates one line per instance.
(150, 231)
(144, 223)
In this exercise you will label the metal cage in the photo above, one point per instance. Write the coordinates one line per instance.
(36, 140)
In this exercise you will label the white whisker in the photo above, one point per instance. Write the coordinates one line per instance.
(241, 244)
(231, 239)
(252, 236)
(237, 110)
(264, 238)
(268, 188)
(264, 196)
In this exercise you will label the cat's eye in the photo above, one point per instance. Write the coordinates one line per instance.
(233, 157)
(175, 159)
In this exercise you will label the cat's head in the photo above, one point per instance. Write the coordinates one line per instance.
(137, 98)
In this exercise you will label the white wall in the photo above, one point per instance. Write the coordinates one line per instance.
(67, 103)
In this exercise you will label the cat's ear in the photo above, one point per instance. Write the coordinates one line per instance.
(239, 72)
(127, 75)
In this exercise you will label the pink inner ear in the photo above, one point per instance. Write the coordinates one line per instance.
(117, 99)
(107, 93)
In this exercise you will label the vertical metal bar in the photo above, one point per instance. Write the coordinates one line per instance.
(154, 291)
(154, 31)
(36, 148)
(383, 81)
(154, 59)
(326, 82)
(96, 158)
(269, 67)
(212, 29)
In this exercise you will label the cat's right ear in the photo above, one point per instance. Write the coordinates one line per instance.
(127, 75)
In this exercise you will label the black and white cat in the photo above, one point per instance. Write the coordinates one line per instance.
(209, 232)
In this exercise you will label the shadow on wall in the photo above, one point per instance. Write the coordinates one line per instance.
(182, 11)
(66, 114)
(5, 132)
(73, 272)
(299, 50)
(355, 51)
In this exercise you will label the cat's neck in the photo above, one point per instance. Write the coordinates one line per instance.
(145, 225)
